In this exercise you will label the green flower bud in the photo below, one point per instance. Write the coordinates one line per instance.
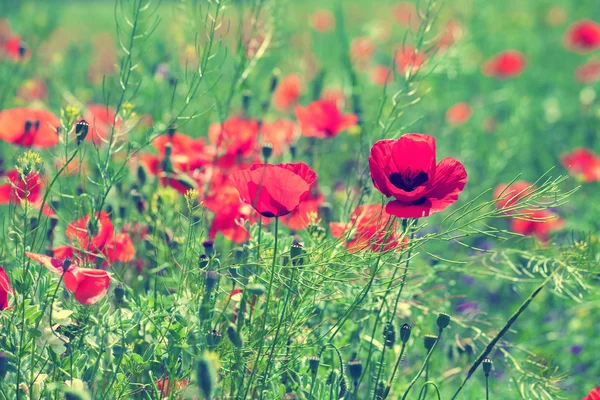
(81, 130)
(211, 278)
(443, 320)
(267, 151)
(389, 334)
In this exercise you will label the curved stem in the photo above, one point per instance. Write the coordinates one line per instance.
(416, 378)
(398, 360)
(424, 388)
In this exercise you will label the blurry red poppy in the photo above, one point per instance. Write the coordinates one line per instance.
(370, 227)
(582, 163)
(322, 119)
(32, 89)
(274, 190)
(583, 36)
(537, 223)
(588, 72)
(361, 50)
(5, 289)
(15, 49)
(101, 119)
(408, 59)
(507, 64)
(406, 170)
(594, 394)
(323, 21)
(88, 285)
(230, 222)
(29, 127)
(20, 189)
(308, 209)
(280, 134)
(236, 137)
(459, 113)
(508, 196)
(287, 92)
(406, 15)
(556, 15)
(451, 34)
(335, 95)
(381, 75)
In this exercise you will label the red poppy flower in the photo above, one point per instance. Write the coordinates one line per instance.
(583, 164)
(19, 189)
(508, 64)
(381, 75)
(5, 289)
(406, 170)
(274, 190)
(101, 119)
(230, 222)
(32, 89)
(287, 92)
(594, 394)
(406, 15)
(322, 119)
(451, 34)
(323, 21)
(459, 113)
(583, 36)
(335, 95)
(15, 49)
(280, 134)
(29, 127)
(407, 59)
(308, 209)
(187, 153)
(538, 223)
(361, 50)
(370, 227)
(88, 285)
(178, 180)
(508, 196)
(233, 139)
(588, 72)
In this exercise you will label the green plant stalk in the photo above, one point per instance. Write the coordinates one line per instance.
(487, 387)
(424, 389)
(504, 329)
(396, 365)
(416, 378)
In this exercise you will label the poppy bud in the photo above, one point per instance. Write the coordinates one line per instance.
(293, 151)
(246, 96)
(81, 130)
(207, 376)
(141, 175)
(429, 341)
(66, 264)
(234, 336)
(405, 333)
(275, 79)
(22, 50)
(171, 131)
(313, 364)
(119, 295)
(203, 261)
(355, 369)
(487, 366)
(213, 338)
(389, 335)
(122, 210)
(267, 151)
(211, 278)
(256, 289)
(166, 164)
(443, 320)
(209, 247)
(3, 365)
(296, 253)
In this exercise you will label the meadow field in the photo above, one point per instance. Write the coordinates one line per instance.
(299, 199)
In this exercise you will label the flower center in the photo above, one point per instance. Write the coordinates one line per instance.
(405, 181)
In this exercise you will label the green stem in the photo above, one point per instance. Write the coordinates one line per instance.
(398, 360)
(416, 378)
(424, 388)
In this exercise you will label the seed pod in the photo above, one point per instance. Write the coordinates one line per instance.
(207, 376)
(487, 366)
(355, 369)
(203, 261)
(443, 320)
(234, 336)
(313, 364)
(211, 278)
(405, 333)
(389, 334)
(81, 130)
(296, 253)
(267, 151)
(429, 341)
(209, 247)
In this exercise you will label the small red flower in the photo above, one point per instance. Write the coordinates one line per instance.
(406, 170)
(508, 64)
(274, 190)
(19, 189)
(583, 164)
(406, 15)
(322, 119)
(32, 89)
(508, 196)
(280, 134)
(594, 394)
(101, 119)
(287, 92)
(88, 285)
(407, 58)
(235, 138)
(323, 21)
(29, 127)
(583, 36)
(538, 223)
(370, 227)
(5, 289)
(381, 75)
(361, 50)
(588, 72)
(459, 113)
(452, 33)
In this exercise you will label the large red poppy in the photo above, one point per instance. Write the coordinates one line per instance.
(406, 170)
(88, 285)
(370, 227)
(274, 190)
(583, 36)
(582, 163)
(5, 289)
(507, 64)
(322, 119)
(594, 394)
(29, 127)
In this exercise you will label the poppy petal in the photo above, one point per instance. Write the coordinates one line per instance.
(92, 285)
(53, 264)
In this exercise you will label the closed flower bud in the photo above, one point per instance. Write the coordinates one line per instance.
(207, 376)
(3, 365)
(267, 151)
(405, 333)
(389, 335)
(203, 261)
(429, 341)
(443, 320)
(81, 130)
(256, 289)
(66, 264)
(355, 369)
(487, 366)
(296, 253)
(213, 338)
(211, 278)
(171, 131)
(313, 364)
(119, 295)
(234, 336)
(142, 175)
(209, 247)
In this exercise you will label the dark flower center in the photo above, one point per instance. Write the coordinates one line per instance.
(405, 181)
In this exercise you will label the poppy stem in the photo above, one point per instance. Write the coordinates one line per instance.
(425, 363)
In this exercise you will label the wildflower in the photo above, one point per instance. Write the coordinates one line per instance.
(101, 119)
(301, 217)
(287, 92)
(406, 170)
(5, 290)
(274, 190)
(322, 119)
(459, 113)
(508, 196)
(406, 15)
(507, 64)
(381, 75)
(583, 36)
(582, 163)
(361, 50)
(323, 21)
(236, 137)
(538, 223)
(29, 127)
(24, 188)
(409, 59)
(588, 72)
(88, 285)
